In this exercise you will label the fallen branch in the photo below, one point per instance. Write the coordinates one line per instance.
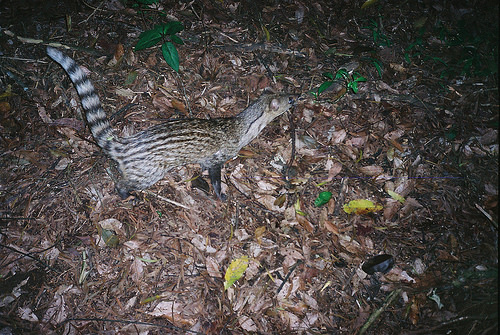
(52, 44)
(375, 315)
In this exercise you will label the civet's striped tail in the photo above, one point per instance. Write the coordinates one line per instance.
(96, 117)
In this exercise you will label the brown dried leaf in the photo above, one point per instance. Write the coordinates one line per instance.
(268, 201)
(371, 170)
(291, 320)
(291, 256)
(57, 310)
(414, 311)
(280, 200)
(247, 324)
(4, 107)
(246, 153)
(119, 51)
(331, 227)
(391, 207)
(125, 92)
(334, 168)
(137, 270)
(259, 233)
(396, 275)
(397, 145)
(304, 222)
(213, 267)
(179, 105)
(174, 312)
(394, 135)
(350, 244)
(69, 122)
(43, 114)
(162, 102)
(31, 156)
(338, 136)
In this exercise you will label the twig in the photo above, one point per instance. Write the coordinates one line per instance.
(270, 73)
(168, 200)
(95, 10)
(288, 275)
(493, 222)
(340, 198)
(133, 322)
(375, 315)
(184, 94)
(122, 110)
(52, 44)
(29, 256)
(24, 59)
(292, 155)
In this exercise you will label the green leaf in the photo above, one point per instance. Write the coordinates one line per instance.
(170, 55)
(407, 58)
(147, 39)
(173, 27)
(378, 66)
(324, 86)
(146, 2)
(342, 74)
(357, 77)
(130, 78)
(109, 238)
(329, 75)
(176, 39)
(322, 198)
(353, 85)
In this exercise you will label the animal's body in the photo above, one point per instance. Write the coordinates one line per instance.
(145, 157)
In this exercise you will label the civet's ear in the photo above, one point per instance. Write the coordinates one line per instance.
(274, 104)
(268, 90)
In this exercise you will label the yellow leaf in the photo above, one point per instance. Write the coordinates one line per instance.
(361, 206)
(297, 208)
(396, 196)
(268, 35)
(235, 271)
(368, 3)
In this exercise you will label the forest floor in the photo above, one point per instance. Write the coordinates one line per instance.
(398, 108)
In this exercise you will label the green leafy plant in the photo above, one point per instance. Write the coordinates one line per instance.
(145, 6)
(468, 53)
(166, 34)
(376, 63)
(414, 49)
(138, 3)
(378, 36)
(351, 81)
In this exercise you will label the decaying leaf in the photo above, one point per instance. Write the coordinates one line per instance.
(361, 206)
(396, 196)
(372, 170)
(305, 223)
(235, 271)
(259, 232)
(213, 267)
